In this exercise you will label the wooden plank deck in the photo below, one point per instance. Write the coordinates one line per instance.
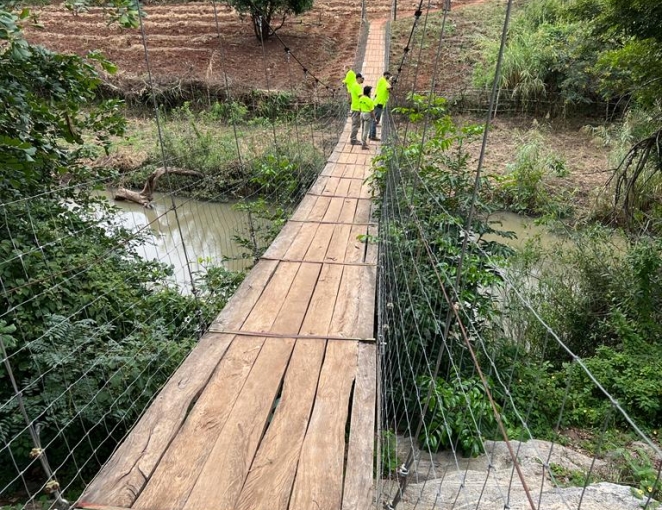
(275, 407)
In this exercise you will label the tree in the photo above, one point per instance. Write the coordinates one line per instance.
(263, 12)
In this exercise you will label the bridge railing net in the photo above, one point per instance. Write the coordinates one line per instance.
(473, 414)
(100, 305)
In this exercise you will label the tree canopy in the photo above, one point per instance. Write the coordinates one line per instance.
(264, 12)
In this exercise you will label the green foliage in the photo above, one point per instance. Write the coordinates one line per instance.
(637, 178)
(91, 330)
(281, 173)
(579, 51)
(389, 456)
(637, 468)
(459, 415)
(604, 302)
(264, 223)
(429, 191)
(525, 188)
(46, 98)
(566, 477)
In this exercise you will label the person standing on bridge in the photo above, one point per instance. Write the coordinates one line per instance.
(355, 91)
(349, 80)
(382, 92)
(367, 108)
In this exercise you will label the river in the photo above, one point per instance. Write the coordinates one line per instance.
(207, 229)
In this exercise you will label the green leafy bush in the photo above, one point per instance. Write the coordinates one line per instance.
(459, 415)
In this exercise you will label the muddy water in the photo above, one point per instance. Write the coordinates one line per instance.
(524, 227)
(207, 229)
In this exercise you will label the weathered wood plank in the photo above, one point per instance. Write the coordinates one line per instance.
(241, 303)
(301, 243)
(226, 468)
(338, 244)
(320, 243)
(318, 187)
(330, 186)
(283, 241)
(348, 210)
(127, 471)
(372, 250)
(319, 209)
(82, 505)
(363, 212)
(333, 212)
(304, 208)
(342, 189)
(354, 312)
(355, 251)
(355, 188)
(170, 485)
(366, 190)
(319, 476)
(272, 474)
(358, 490)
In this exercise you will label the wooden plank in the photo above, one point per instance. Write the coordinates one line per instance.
(333, 212)
(300, 245)
(372, 250)
(348, 210)
(358, 490)
(362, 171)
(241, 303)
(336, 171)
(330, 186)
(355, 188)
(170, 485)
(319, 209)
(342, 189)
(338, 244)
(304, 207)
(318, 187)
(227, 466)
(82, 505)
(328, 169)
(127, 471)
(354, 312)
(363, 212)
(283, 241)
(319, 476)
(355, 251)
(320, 243)
(271, 477)
(365, 190)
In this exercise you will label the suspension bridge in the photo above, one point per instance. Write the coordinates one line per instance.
(275, 407)
(319, 385)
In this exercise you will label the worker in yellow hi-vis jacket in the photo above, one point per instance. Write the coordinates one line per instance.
(367, 108)
(382, 92)
(355, 91)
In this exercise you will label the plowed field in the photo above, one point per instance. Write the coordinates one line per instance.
(184, 45)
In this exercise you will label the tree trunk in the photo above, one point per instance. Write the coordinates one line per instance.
(146, 196)
(262, 25)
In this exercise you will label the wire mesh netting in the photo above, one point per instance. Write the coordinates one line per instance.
(110, 274)
(483, 404)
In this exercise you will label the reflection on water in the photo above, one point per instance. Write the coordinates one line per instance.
(207, 231)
